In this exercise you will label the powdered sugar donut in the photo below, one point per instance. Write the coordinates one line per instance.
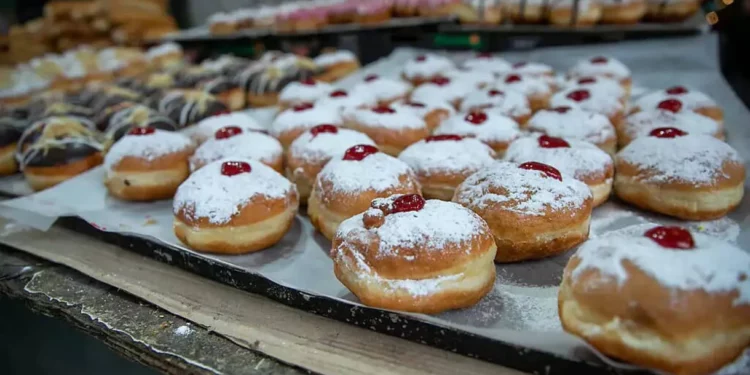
(310, 152)
(384, 90)
(591, 100)
(641, 124)
(336, 65)
(533, 210)
(536, 89)
(233, 141)
(532, 68)
(442, 162)
(680, 98)
(600, 83)
(487, 62)
(288, 125)
(234, 206)
(574, 12)
(473, 77)
(425, 67)
(405, 253)
(347, 184)
(579, 159)
(147, 164)
(207, 127)
(392, 128)
(433, 112)
(600, 66)
(571, 122)
(342, 100)
(305, 91)
(507, 103)
(497, 131)
(688, 176)
(444, 89)
(698, 311)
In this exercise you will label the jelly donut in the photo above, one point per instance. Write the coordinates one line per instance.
(187, 107)
(641, 124)
(289, 124)
(147, 164)
(385, 90)
(305, 91)
(347, 184)
(433, 112)
(678, 99)
(442, 162)
(692, 320)
(392, 128)
(533, 210)
(10, 133)
(618, 12)
(310, 152)
(497, 131)
(537, 90)
(56, 149)
(336, 65)
(128, 116)
(234, 206)
(410, 254)
(599, 83)
(671, 10)
(574, 123)
(443, 89)
(425, 67)
(487, 62)
(574, 12)
(531, 68)
(507, 103)
(600, 66)
(233, 141)
(474, 78)
(579, 159)
(591, 100)
(343, 100)
(206, 128)
(688, 176)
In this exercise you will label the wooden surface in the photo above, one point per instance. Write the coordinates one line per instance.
(251, 322)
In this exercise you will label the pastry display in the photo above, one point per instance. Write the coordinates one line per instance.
(385, 90)
(336, 65)
(310, 152)
(119, 119)
(305, 91)
(579, 159)
(425, 67)
(641, 124)
(236, 142)
(678, 99)
(593, 101)
(147, 164)
(443, 89)
(698, 312)
(574, 123)
(288, 125)
(497, 131)
(392, 128)
(688, 176)
(433, 112)
(347, 184)
(187, 107)
(207, 127)
(601, 66)
(442, 162)
(507, 103)
(536, 89)
(533, 209)
(234, 206)
(447, 250)
(343, 100)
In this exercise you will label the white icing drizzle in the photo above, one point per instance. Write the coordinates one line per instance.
(526, 192)
(640, 124)
(124, 118)
(378, 172)
(449, 92)
(497, 128)
(324, 146)
(448, 156)
(57, 132)
(713, 266)
(209, 194)
(492, 64)
(248, 145)
(598, 101)
(400, 119)
(580, 160)
(361, 98)
(509, 103)
(148, 147)
(575, 124)
(383, 88)
(693, 158)
(690, 100)
(429, 106)
(611, 68)
(326, 60)
(298, 92)
(527, 85)
(163, 49)
(430, 66)
(291, 119)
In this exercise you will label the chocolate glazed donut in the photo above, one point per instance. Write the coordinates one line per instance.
(110, 95)
(10, 132)
(127, 116)
(186, 107)
(227, 90)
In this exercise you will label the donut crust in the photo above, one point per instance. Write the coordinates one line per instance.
(40, 178)
(337, 71)
(8, 163)
(390, 141)
(136, 179)
(623, 13)
(565, 17)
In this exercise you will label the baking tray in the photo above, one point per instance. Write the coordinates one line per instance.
(514, 326)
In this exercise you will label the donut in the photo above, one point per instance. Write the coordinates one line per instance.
(526, 11)
(641, 124)
(263, 80)
(186, 107)
(688, 176)
(599, 83)
(393, 129)
(10, 133)
(425, 67)
(127, 116)
(533, 210)
(601, 66)
(406, 8)
(346, 186)
(56, 149)
(531, 68)
(166, 56)
(305, 91)
(234, 206)
(575, 13)
(372, 12)
(619, 12)
(385, 90)
(593, 101)
(497, 131)
(336, 65)
(206, 128)
(342, 100)
(507, 103)
(233, 141)
(227, 65)
(482, 12)
(61, 109)
(442, 162)
(289, 124)
(678, 99)
(101, 96)
(671, 10)
(487, 62)
(443, 89)
(537, 90)
(475, 78)
(410, 254)
(660, 297)
(433, 112)
(226, 89)
(310, 152)
(578, 159)
(147, 164)
(571, 122)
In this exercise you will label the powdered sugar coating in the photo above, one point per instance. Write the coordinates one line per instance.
(209, 194)
(525, 192)
(430, 66)
(640, 124)
(497, 128)
(694, 158)
(292, 119)
(449, 92)
(575, 124)
(581, 160)
(207, 127)
(598, 101)
(429, 106)
(400, 119)
(248, 145)
(332, 58)
(601, 83)
(509, 103)
(383, 88)
(448, 156)
(377, 172)
(147, 147)
(298, 92)
(713, 265)
(527, 85)
(492, 64)
(690, 100)
(610, 68)
(324, 146)
(532, 68)
(352, 99)
(473, 77)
